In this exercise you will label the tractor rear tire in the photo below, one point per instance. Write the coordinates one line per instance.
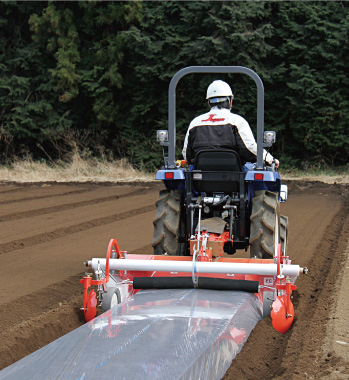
(168, 224)
(265, 225)
(284, 233)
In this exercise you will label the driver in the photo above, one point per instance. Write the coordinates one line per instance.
(221, 129)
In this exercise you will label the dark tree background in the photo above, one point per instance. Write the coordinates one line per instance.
(97, 74)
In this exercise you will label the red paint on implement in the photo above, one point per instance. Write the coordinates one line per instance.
(283, 310)
(91, 306)
(282, 313)
(90, 299)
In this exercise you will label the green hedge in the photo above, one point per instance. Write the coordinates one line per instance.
(103, 69)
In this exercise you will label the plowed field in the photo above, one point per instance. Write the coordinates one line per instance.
(47, 231)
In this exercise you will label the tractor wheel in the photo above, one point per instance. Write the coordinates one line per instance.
(283, 233)
(168, 224)
(265, 225)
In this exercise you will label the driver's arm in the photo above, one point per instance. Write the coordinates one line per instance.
(246, 143)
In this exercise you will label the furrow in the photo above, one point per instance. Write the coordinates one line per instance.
(66, 231)
(25, 199)
(11, 190)
(67, 206)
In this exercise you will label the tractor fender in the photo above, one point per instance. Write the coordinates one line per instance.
(173, 178)
(262, 180)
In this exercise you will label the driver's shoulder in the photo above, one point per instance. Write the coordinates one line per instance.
(237, 120)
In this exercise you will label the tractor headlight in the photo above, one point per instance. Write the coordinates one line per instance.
(269, 137)
(162, 135)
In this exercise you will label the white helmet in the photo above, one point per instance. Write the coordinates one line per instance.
(218, 90)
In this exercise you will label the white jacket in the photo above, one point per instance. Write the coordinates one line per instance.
(219, 128)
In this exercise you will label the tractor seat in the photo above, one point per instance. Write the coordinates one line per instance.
(217, 171)
(222, 160)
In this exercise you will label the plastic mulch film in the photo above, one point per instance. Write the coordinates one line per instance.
(157, 334)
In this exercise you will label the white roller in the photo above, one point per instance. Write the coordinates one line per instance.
(201, 267)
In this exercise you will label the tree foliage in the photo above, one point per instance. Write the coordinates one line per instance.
(60, 70)
(310, 61)
(104, 68)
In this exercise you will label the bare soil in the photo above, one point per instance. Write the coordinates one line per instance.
(47, 231)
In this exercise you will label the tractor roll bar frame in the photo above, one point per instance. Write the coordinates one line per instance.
(214, 69)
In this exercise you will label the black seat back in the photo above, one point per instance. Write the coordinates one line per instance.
(217, 171)
(222, 160)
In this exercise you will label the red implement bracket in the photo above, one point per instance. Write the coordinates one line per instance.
(90, 299)
(283, 310)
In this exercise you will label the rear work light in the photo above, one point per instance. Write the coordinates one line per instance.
(169, 175)
(258, 176)
(162, 135)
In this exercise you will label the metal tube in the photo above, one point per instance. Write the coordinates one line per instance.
(201, 267)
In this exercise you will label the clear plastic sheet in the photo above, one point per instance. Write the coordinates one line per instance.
(157, 334)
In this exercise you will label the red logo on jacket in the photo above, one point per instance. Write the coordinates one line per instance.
(211, 118)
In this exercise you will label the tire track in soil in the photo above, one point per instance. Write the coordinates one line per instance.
(66, 231)
(298, 353)
(67, 206)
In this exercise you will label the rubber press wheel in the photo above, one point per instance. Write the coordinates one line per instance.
(268, 299)
(265, 224)
(167, 224)
(110, 298)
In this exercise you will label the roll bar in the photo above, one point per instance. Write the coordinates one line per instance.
(213, 69)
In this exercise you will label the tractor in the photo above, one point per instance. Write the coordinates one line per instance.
(237, 206)
(207, 211)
